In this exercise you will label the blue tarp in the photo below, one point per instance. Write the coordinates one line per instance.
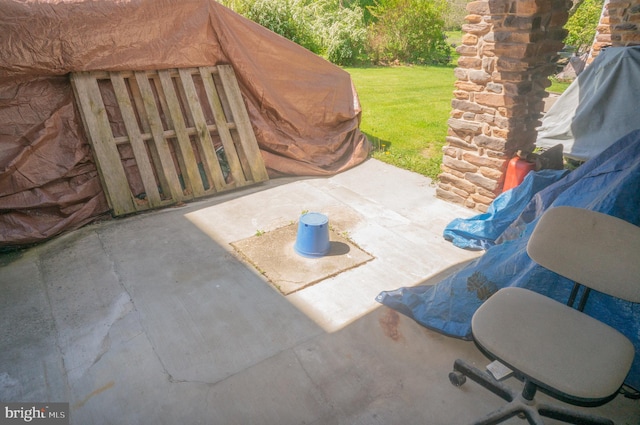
(482, 231)
(608, 183)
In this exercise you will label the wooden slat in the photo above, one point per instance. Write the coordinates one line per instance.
(182, 97)
(168, 134)
(223, 127)
(241, 119)
(167, 166)
(192, 178)
(136, 140)
(144, 123)
(173, 72)
(96, 122)
(203, 131)
(161, 100)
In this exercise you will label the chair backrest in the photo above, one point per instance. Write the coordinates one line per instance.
(591, 248)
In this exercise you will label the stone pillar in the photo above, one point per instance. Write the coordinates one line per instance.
(619, 26)
(603, 34)
(508, 50)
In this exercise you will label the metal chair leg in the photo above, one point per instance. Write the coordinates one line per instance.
(486, 380)
(571, 416)
(502, 414)
(520, 402)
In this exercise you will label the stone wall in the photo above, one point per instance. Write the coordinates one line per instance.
(619, 26)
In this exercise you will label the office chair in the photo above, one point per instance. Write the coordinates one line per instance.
(551, 346)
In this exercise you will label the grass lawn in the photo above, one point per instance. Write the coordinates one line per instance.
(405, 111)
(558, 86)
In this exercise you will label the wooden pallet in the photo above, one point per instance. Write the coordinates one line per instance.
(166, 136)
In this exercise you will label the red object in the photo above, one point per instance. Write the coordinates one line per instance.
(517, 170)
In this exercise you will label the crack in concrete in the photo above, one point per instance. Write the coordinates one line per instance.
(121, 282)
(96, 338)
(318, 388)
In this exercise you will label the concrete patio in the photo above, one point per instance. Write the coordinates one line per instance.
(157, 319)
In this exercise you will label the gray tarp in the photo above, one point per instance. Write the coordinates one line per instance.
(598, 108)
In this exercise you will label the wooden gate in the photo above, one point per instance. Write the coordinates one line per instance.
(161, 137)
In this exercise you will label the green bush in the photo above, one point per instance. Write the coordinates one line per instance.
(362, 4)
(349, 32)
(582, 25)
(342, 31)
(347, 38)
(409, 31)
(284, 17)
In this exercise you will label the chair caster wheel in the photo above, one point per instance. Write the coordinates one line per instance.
(457, 378)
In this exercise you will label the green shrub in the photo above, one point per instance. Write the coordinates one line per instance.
(362, 4)
(343, 33)
(347, 38)
(582, 25)
(349, 32)
(409, 31)
(284, 17)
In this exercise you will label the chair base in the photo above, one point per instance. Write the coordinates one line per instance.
(518, 403)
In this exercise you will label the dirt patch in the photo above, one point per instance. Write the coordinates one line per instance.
(272, 254)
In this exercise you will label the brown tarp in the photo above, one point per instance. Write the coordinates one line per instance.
(303, 109)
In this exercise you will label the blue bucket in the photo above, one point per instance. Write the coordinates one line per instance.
(313, 235)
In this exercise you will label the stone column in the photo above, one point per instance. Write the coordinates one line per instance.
(508, 50)
(619, 26)
(603, 34)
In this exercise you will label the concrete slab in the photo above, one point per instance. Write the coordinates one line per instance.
(206, 314)
(31, 366)
(154, 318)
(272, 254)
(390, 213)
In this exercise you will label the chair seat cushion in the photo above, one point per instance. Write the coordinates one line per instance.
(556, 346)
